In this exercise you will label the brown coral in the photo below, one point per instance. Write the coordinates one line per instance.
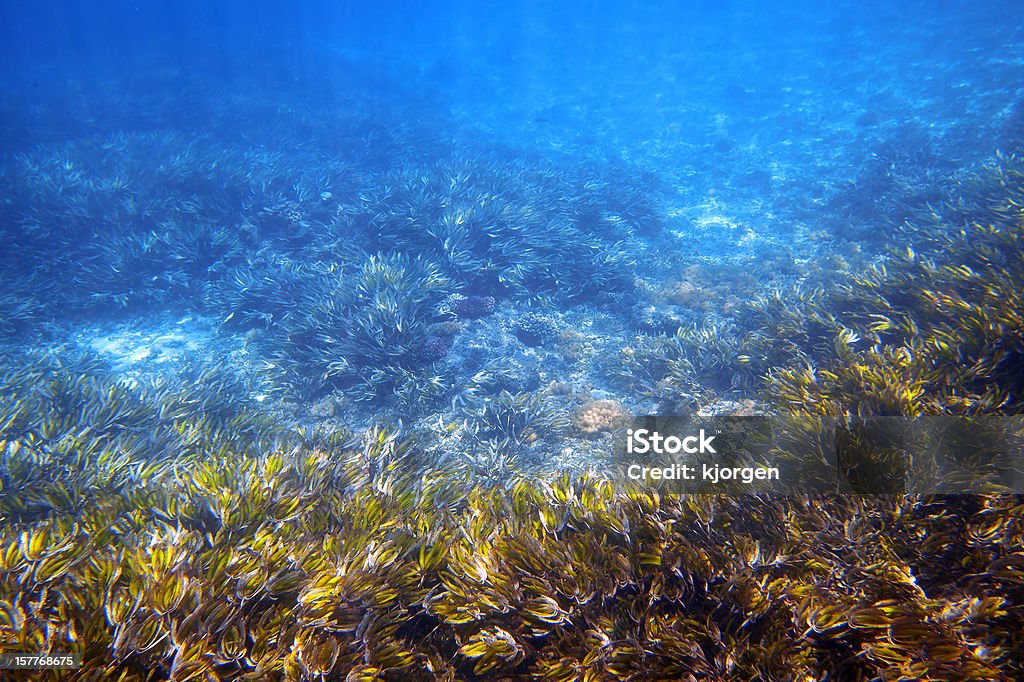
(599, 416)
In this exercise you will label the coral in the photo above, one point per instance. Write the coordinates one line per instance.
(574, 346)
(715, 290)
(435, 348)
(468, 307)
(731, 408)
(535, 329)
(599, 416)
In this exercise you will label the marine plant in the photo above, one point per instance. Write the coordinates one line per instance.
(360, 327)
(317, 555)
(689, 368)
(175, 530)
(517, 418)
(230, 551)
(508, 228)
(934, 328)
(931, 327)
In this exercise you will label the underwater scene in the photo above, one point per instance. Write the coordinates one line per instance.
(571, 341)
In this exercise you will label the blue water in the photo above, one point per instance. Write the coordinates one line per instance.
(618, 79)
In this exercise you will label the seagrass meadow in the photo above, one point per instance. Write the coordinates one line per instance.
(164, 535)
(320, 329)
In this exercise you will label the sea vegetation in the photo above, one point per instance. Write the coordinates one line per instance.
(691, 367)
(932, 327)
(124, 223)
(501, 431)
(270, 553)
(183, 534)
(366, 326)
(146, 218)
(908, 169)
(174, 528)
